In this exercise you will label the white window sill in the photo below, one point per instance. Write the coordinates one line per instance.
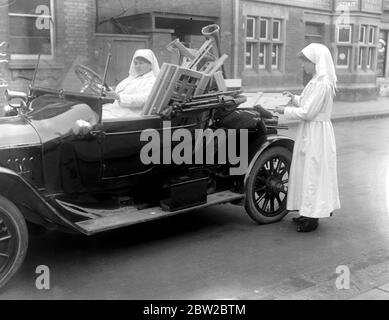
(31, 64)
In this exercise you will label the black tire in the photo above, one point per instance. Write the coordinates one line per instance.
(267, 186)
(13, 240)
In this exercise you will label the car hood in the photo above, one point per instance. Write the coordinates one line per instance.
(17, 132)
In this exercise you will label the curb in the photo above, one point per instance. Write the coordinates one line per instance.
(340, 118)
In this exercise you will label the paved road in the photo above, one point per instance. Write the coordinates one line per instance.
(218, 253)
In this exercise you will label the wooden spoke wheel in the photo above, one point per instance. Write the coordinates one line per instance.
(267, 186)
(13, 240)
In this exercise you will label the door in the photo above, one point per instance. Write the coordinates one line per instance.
(122, 146)
(122, 48)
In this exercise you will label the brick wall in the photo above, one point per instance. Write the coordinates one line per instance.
(75, 41)
(295, 28)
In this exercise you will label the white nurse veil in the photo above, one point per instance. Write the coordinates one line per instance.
(149, 56)
(321, 57)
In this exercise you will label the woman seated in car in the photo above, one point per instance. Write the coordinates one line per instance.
(132, 93)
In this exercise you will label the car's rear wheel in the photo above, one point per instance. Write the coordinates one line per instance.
(13, 240)
(267, 186)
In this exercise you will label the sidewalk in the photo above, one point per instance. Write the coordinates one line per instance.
(354, 110)
(379, 293)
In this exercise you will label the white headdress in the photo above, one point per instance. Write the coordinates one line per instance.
(149, 56)
(321, 57)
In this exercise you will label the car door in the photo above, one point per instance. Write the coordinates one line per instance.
(122, 145)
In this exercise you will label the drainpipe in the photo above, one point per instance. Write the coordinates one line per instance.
(236, 38)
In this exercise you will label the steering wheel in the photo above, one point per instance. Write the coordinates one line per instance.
(89, 79)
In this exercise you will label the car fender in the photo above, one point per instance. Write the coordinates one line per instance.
(34, 207)
(261, 144)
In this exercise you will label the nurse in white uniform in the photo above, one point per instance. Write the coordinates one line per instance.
(132, 93)
(313, 183)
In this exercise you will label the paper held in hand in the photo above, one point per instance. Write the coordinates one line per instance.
(268, 100)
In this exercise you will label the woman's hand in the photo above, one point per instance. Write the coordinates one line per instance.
(280, 110)
(288, 94)
(113, 95)
(291, 96)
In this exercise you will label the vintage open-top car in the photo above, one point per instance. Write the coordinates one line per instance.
(63, 167)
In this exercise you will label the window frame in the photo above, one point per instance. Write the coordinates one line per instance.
(262, 66)
(370, 58)
(261, 45)
(51, 18)
(279, 30)
(251, 65)
(348, 57)
(319, 36)
(350, 27)
(254, 27)
(267, 28)
(371, 41)
(361, 54)
(367, 48)
(364, 27)
(277, 65)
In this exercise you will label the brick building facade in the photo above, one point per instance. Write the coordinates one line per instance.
(274, 31)
(261, 37)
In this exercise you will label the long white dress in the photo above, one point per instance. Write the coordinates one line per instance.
(313, 183)
(133, 94)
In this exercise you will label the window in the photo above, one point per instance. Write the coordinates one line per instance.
(276, 30)
(262, 56)
(371, 53)
(250, 28)
(362, 34)
(314, 32)
(264, 44)
(264, 29)
(31, 29)
(361, 53)
(250, 36)
(371, 34)
(343, 58)
(344, 49)
(275, 56)
(370, 58)
(366, 47)
(344, 34)
(249, 55)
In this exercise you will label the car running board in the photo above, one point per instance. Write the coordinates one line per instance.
(130, 217)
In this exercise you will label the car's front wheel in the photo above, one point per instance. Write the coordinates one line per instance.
(13, 240)
(267, 186)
